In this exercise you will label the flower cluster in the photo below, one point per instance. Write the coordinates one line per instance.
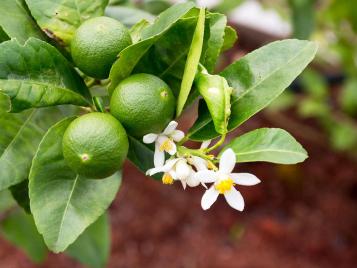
(193, 170)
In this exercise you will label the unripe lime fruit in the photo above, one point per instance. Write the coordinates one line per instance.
(143, 103)
(96, 45)
(95, 145)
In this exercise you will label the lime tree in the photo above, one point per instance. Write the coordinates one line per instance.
(143, 103)
(96, 45)
(95, 145)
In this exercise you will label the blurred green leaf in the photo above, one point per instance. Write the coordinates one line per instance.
(269, 145)
(225, 6)
(19, 228)
(193, 59)
(315, 84)
(60, 19)
(64, 203)
(343, 136)
(17, 22)
(348, 98)
(92, 247)
(303, 18)
(6, 200)
(129, 16)
(37, 75)
(260, 77)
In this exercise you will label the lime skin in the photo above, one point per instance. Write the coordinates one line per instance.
(143, 103)
(96, 45)
(95, 145)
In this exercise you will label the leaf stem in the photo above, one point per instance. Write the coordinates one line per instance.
(217, 144)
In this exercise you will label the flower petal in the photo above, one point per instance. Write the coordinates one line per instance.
(170, 128)
(159, 157)
(209, 197)
(205, 144)
(227, 161)
(183, 170)
(165, 168)
(177, 135)
(150, 138)
(192, 181)
(246, 179)
(235, 199)
(206, 176)
(199, 163)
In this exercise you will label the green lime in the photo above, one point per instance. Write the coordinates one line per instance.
(96, 45)
(95, 145)
(143, 103)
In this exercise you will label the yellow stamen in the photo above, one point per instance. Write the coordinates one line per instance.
(211, 166)
(167, 179)
(224, 185)
(166, 145)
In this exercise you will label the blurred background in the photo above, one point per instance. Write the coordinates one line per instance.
(299, 216)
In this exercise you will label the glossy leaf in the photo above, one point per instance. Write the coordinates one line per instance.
(135, 31)
(60, 19)
(230, 37)
(3, 36)
(130, 56)
(16, 21)
(268, 144)
(260, 77)
(216, 93)
(127, 15)
(20, 135)
(217, 26)
(141, 155)
(19, 228)
(64, 203)
(92, 247)
(193, 59)
(37, 75)
(20, 192)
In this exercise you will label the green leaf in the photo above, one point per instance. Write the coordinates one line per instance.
(216, 92)
(130, 56)
(127, 15)
(92, 247)
(16, 21)
(60, 19)
(258, 78)
(20, 135)
(19, 228)
(225, 6)
(267, 144)
(141, 155)
(6, 200)
(217, 26)
(37, 75)
(64, 203)
(3, 36)
(303, 18)
(20, 192)
(4, 103)
(193, 59)
(230, 37)
(135, 31)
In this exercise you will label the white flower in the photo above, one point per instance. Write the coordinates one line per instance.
(164, 142)
(180, 169)
(224, 181)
